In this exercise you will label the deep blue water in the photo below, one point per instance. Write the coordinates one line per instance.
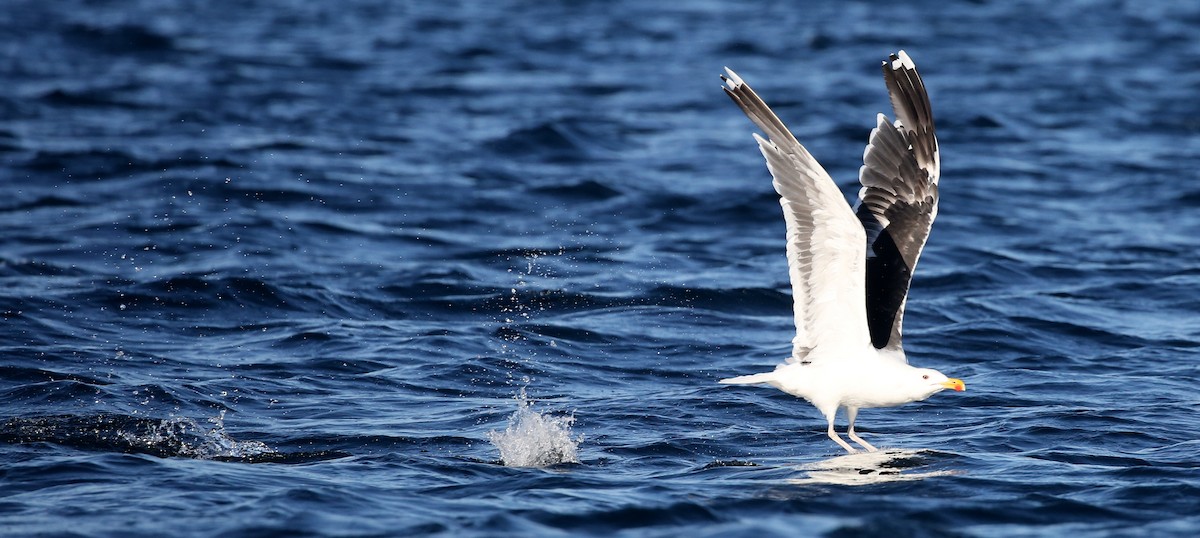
(279, 268)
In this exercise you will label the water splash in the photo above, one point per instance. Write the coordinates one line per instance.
(169, 437)
(190, 439)
(533, 439)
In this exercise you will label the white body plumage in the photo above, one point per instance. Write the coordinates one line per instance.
(850, 270)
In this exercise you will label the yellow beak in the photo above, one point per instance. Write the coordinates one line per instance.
(955, 384)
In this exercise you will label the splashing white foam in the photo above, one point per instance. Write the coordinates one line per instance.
(536, 440)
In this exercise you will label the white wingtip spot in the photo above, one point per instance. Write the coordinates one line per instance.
(902, 60)
(734, 80)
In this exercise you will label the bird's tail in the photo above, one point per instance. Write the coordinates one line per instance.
(751, 379)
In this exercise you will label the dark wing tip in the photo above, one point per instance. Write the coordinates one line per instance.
(910, 102)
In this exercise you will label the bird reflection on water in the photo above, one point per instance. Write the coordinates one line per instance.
(865, 468)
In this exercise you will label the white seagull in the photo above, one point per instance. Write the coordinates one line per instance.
(850, 269)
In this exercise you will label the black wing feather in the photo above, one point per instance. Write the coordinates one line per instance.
(898, 201)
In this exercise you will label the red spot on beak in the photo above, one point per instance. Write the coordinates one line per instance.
(955, 384)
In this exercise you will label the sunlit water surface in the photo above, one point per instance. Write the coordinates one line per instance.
(393, 269)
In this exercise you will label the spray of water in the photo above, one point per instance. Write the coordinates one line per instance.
(185, 437)
(533, 439)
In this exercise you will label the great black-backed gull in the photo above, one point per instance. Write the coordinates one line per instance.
(850, 269)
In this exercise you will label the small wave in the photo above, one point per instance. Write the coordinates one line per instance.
(561, 141)
(533, 439)
(583, 190)
(120, 38)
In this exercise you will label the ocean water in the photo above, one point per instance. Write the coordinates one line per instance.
(369, 268)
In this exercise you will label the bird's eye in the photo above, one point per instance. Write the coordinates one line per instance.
(926, 376)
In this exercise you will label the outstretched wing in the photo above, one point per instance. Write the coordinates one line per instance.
(824, 239)
(898, 199)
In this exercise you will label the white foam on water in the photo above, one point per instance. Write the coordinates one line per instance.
(534, 439)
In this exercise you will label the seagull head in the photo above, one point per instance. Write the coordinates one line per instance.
(934, 381)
